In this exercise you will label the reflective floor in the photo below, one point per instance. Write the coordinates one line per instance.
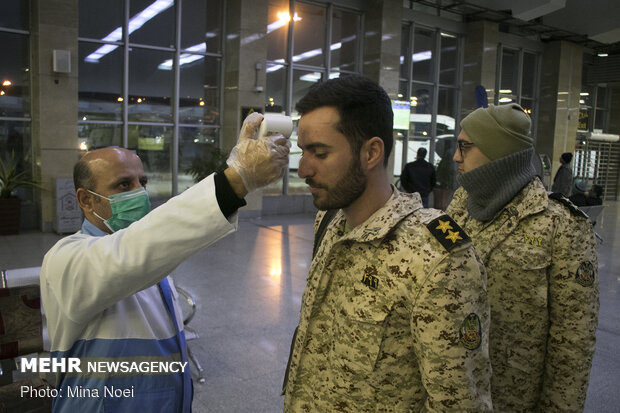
(248, 291)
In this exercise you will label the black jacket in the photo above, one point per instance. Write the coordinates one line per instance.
(418, 176)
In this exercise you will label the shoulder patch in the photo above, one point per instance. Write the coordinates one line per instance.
(448, 232)
(585, 274)
(574, 210)
(470, 333)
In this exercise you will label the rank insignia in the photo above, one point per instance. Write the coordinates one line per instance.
(448, 232)
(568, 204)
(470, 334)
(585, 274)
(371, 281)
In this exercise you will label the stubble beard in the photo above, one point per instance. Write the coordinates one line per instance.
(344, 192)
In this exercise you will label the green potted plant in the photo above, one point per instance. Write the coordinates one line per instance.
(211, 160)
(10, 205)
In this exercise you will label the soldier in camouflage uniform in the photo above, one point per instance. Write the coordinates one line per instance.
(540, 255)
(394, 316)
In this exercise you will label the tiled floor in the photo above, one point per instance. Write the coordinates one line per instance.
(248, 290)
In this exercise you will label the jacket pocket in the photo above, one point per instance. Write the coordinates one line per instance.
(519, 274)
(356, 345)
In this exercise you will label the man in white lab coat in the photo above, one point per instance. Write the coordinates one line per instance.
(105, 289)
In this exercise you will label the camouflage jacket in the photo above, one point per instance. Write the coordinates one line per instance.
(391, 320)
(540, 257)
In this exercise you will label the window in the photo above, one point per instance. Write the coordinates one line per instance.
(517, 80)
(15, 110)
(429, 80)
(142, 88)
(326, 43)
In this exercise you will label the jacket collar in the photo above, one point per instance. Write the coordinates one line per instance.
(380, 223)
(89, 228)
(529, 201)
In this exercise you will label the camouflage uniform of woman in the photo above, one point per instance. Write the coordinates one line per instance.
(540, 255)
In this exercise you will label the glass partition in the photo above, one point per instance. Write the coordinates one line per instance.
(151, 113)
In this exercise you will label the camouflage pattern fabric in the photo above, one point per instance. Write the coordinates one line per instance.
(391, 321)
(543, 290)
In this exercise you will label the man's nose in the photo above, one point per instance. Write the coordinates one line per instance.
(304, 169)
(457, 155)
(135, 184)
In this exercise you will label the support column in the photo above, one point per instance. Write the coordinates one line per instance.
(559, 100)
(382, 48)
(382, 44)
(245, 47)
(54, 26)
(480, 62)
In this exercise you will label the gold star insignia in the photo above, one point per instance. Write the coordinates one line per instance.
(454, 236)
(444, 226)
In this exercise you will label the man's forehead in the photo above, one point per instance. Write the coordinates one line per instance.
(113, 161)
(463, 136)
(111, 154)
(313, 125)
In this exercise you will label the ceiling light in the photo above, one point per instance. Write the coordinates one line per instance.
(134, 24)
(421, 56)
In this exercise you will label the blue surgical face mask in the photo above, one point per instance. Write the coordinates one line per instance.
(127, 208)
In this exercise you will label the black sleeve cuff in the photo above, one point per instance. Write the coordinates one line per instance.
(226, 197)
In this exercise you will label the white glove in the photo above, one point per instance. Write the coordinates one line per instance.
(258, 162)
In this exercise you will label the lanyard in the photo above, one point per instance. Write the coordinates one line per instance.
(166, 292)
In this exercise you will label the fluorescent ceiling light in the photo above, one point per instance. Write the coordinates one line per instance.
(186, 58)
(316, 76)
(421, 56)
(134, 24)
(311, 77)
(307, 55)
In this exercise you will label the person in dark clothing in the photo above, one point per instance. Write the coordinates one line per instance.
(563, 180)
(595, 195)
(419, 176)
(579, 194)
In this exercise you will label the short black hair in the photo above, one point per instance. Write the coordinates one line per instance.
(82, 176)
(422, 153)
(567, 157)
(364, 107)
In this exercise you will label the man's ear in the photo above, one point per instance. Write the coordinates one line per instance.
(85, 199)
(373, 151)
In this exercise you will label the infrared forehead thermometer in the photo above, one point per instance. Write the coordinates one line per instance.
(275, 124)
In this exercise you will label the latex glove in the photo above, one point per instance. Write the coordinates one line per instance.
(258, 162)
